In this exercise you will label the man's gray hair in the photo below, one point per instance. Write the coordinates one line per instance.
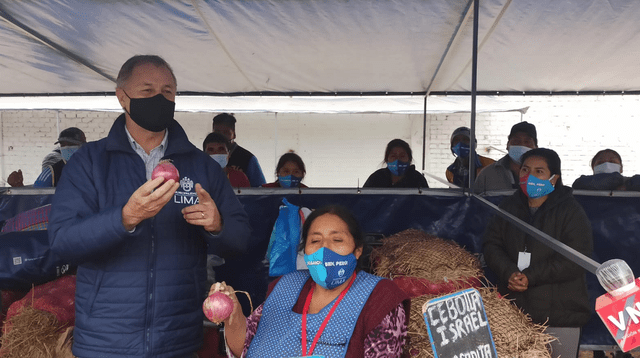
(127, 68)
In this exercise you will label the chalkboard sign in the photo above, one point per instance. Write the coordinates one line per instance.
(458, 326)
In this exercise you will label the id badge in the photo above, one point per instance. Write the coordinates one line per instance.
(524, 260)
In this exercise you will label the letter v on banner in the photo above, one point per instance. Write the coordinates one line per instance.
(621, 315)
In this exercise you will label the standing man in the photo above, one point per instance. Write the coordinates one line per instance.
(141, 244)
(240, 159)
(70, 140)
(505, 173)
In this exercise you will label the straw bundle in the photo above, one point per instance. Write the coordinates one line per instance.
(417, 257)
(513, 332)
(418, 254)
(33, 334)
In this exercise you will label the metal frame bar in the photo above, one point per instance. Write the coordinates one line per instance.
(586, 262)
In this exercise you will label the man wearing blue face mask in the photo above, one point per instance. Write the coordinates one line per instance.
(458, 172)
(70, 140)
(503, 174)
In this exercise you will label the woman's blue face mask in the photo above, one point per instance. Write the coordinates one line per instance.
(534, 187)
(398, 167)
(289, 181)
(329, 269)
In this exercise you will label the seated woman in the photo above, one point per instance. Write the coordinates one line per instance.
(328, 311)
(217, 146)
(399, 172)
(544, 284)
(290, 172)
(607, 173)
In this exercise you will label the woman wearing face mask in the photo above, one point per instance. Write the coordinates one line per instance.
(607, 173)
(217, 146)
(290, 172)
(544, 284)
(399, 172)
(330, 310)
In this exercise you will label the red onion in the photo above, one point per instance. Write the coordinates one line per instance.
(217, 307)
(166, 170)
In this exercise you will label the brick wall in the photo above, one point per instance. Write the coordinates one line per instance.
(342, 150)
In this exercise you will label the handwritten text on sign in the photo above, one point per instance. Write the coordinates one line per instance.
(458, 326)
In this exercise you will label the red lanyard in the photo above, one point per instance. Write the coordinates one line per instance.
(307, 303)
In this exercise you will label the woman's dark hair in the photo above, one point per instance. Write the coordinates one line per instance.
(340, 211)
(550, 157)
(215, 137)
(291, 157)
(593, 160)
(397, 143)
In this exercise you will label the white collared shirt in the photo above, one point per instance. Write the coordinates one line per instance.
(150, 160)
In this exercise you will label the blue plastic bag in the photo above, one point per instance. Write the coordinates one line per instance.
(285, 238)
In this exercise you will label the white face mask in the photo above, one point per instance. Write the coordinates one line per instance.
(607, 167)
(67, 152)
(220, 158)
(516, 152)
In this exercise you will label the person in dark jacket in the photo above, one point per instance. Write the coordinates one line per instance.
(458, 172)
(399, 172)
(607, 173)
(240, 159)
(503, 174)
(141, 244)
(546, 285)
(290, 171)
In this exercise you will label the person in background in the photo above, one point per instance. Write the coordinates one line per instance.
(399, 173)
(550, 288)
(217, 146)
(240, 159)
(607, 173)
(365, 315)
(290, 172)
(141, 244)
(458, 172)
(503, 174)
(70, 140)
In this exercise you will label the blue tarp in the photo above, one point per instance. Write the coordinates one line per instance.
(447, 214)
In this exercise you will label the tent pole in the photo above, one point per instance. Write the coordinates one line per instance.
(474, 79)
(424, 133)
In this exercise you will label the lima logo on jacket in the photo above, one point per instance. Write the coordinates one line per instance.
(186, 196)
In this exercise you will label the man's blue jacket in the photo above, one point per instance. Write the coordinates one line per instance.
(139, 294)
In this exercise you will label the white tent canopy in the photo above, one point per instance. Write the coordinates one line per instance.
(313, 46)
(284, 104)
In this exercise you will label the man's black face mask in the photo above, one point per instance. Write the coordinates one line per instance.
(153, 114)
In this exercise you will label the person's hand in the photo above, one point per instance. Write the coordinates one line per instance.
(15, 179)
(236, 315)
(518, 282)
(147, 201)
(205, 213)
